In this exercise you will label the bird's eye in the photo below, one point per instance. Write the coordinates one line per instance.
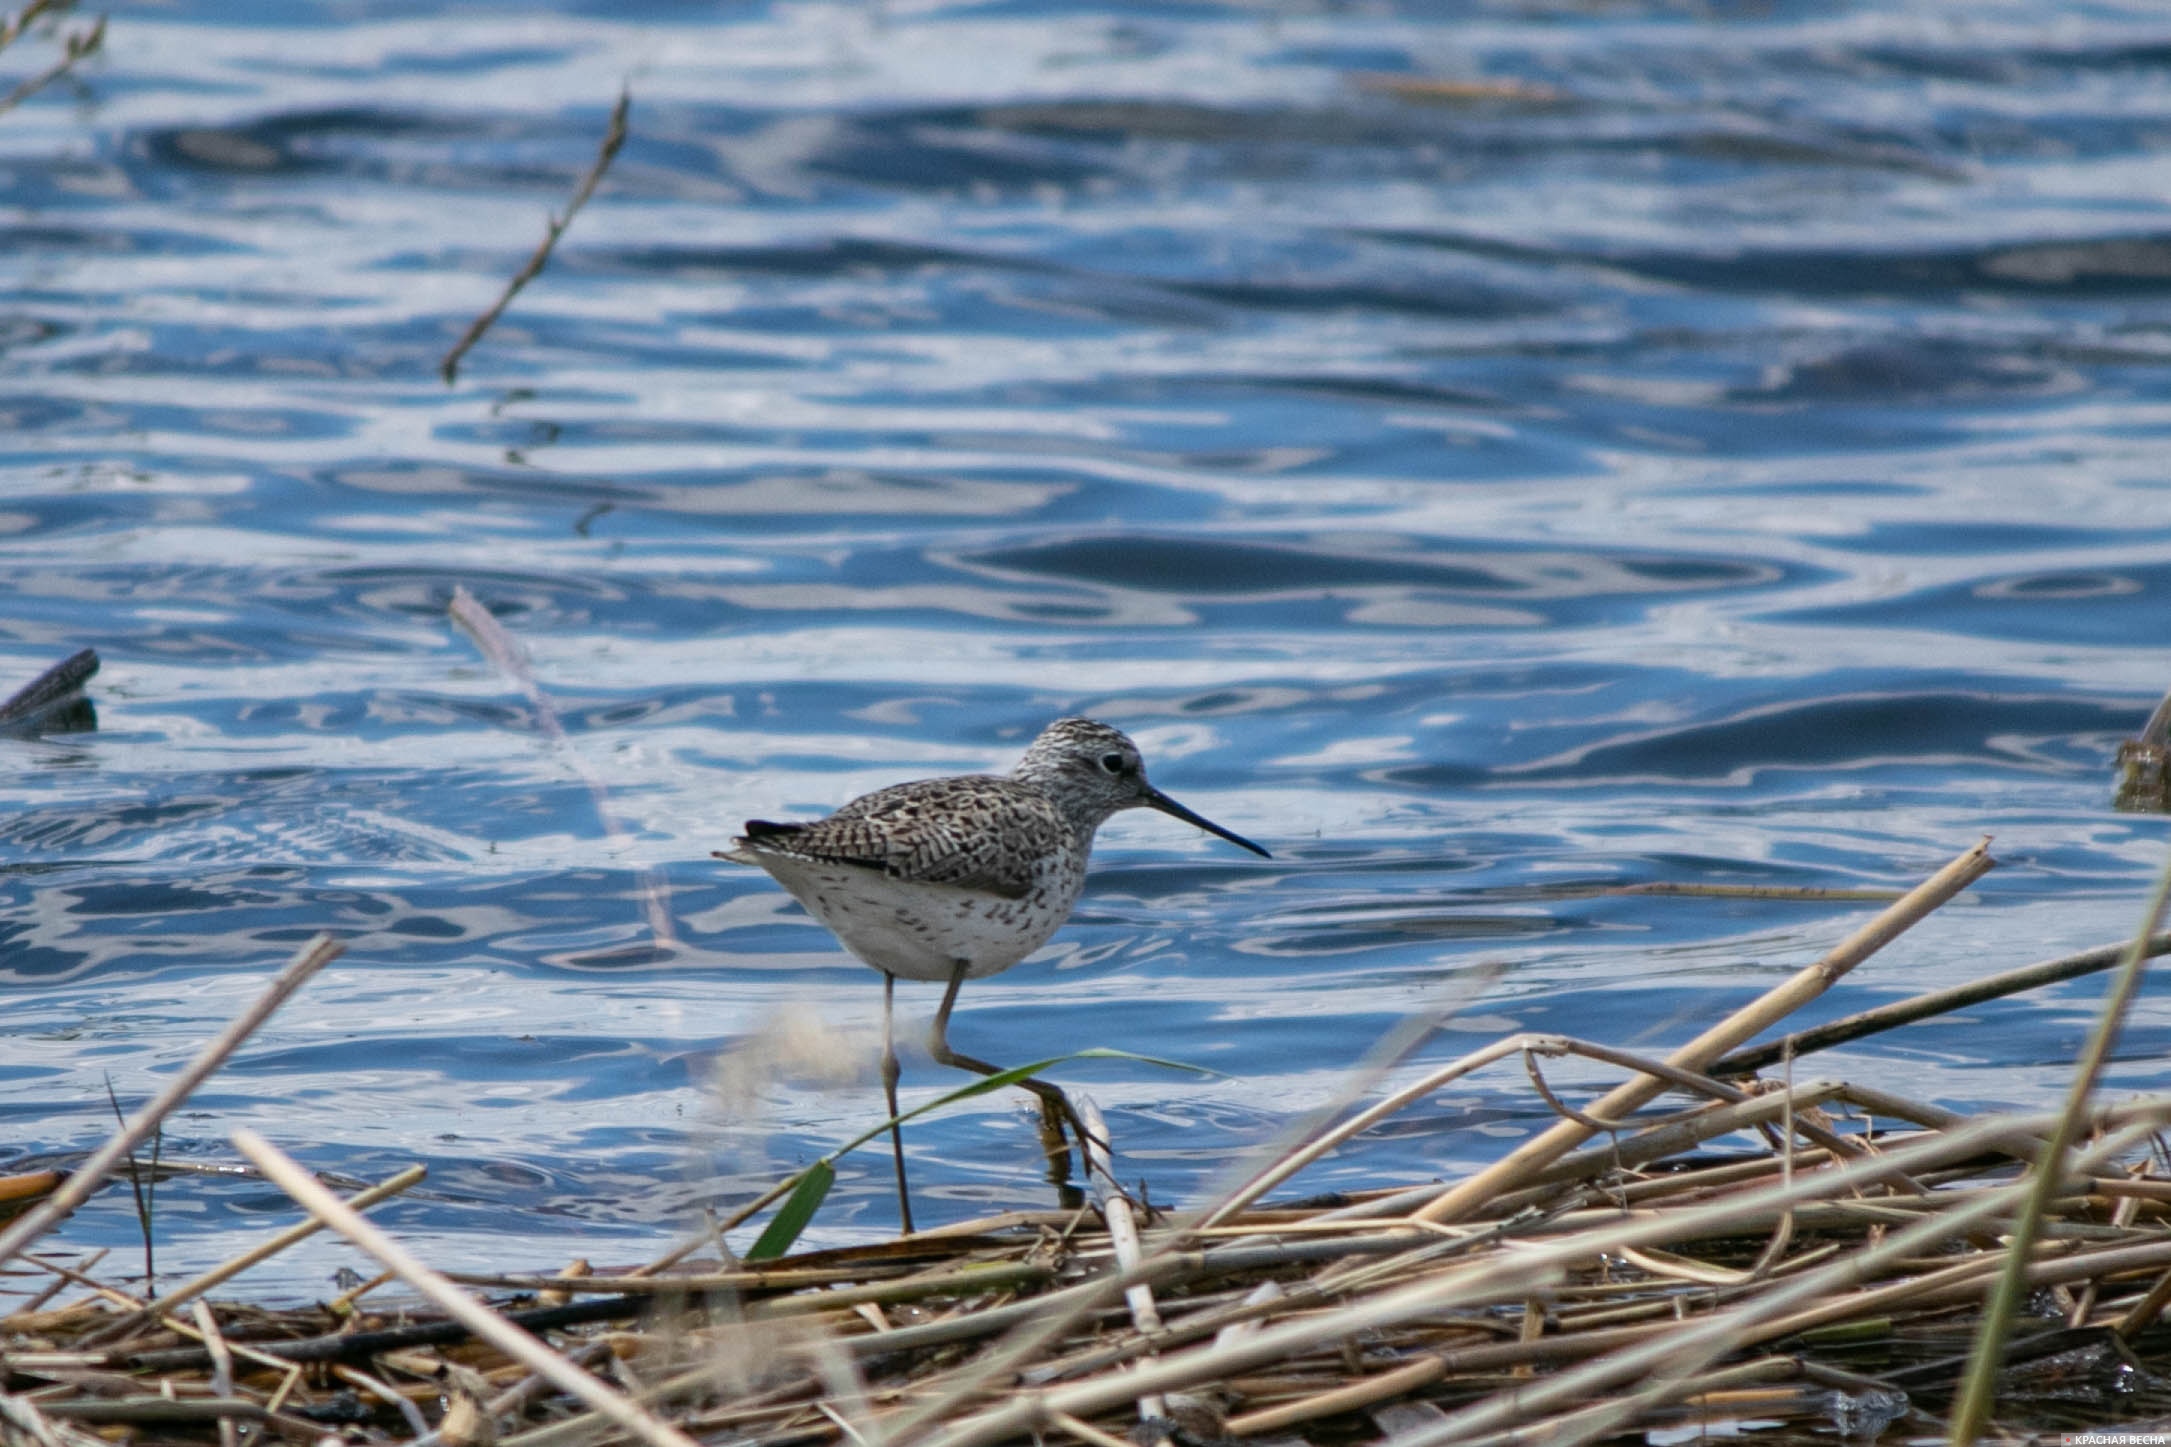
(1113, 763)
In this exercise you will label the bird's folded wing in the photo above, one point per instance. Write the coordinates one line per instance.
(981, 833)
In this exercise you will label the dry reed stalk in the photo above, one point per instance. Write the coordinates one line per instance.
(1300, 1148)
(985, 1278)
(222, 1367)
(520, 1393)
(1296, 1160)
(313, 956)
(481, 1320)
(2122, 1217)
(1697, 1082)
(2143, 1313)
(1122, 1228)
(1971, 1411)
(1086, 1432)
(627, 1284)
(1933, 1003)
(1348, 1398)
(1900, 1107)
(1508, 1173)
(386, 1393)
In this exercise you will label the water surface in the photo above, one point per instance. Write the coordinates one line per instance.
(1722, 444)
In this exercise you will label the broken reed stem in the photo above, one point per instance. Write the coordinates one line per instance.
(1971, 1410)
(1506, 1174)
(77, 1189)
(529, 1351)
(1115, 1208)
(1357, 1124)
(1304, 1144)
(509, 658)
(222, 1368)
(614, 136)
(1935, 1002)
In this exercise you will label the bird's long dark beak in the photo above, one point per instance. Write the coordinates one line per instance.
(1155, 799)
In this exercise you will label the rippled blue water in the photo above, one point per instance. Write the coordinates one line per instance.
(1728, 445)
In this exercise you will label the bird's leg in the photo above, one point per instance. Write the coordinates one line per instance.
(1055, 1107)
(890, 1071)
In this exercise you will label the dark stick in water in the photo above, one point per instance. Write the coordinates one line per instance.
(613, 138)
(50, 689)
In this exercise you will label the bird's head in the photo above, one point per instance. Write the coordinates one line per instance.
(1095, 771)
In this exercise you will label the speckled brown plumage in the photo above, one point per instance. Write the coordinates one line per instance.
(972, 872)
(975, 831)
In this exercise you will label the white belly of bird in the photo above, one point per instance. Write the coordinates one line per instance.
(919, 931)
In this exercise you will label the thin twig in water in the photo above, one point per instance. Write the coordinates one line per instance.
(313, 956)
(78, 46)
(504, 651)
(1802, 893)
(143, 1196)
(613, 138)
(11, 29)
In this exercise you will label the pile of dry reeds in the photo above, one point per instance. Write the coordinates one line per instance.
(1617, 1271)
